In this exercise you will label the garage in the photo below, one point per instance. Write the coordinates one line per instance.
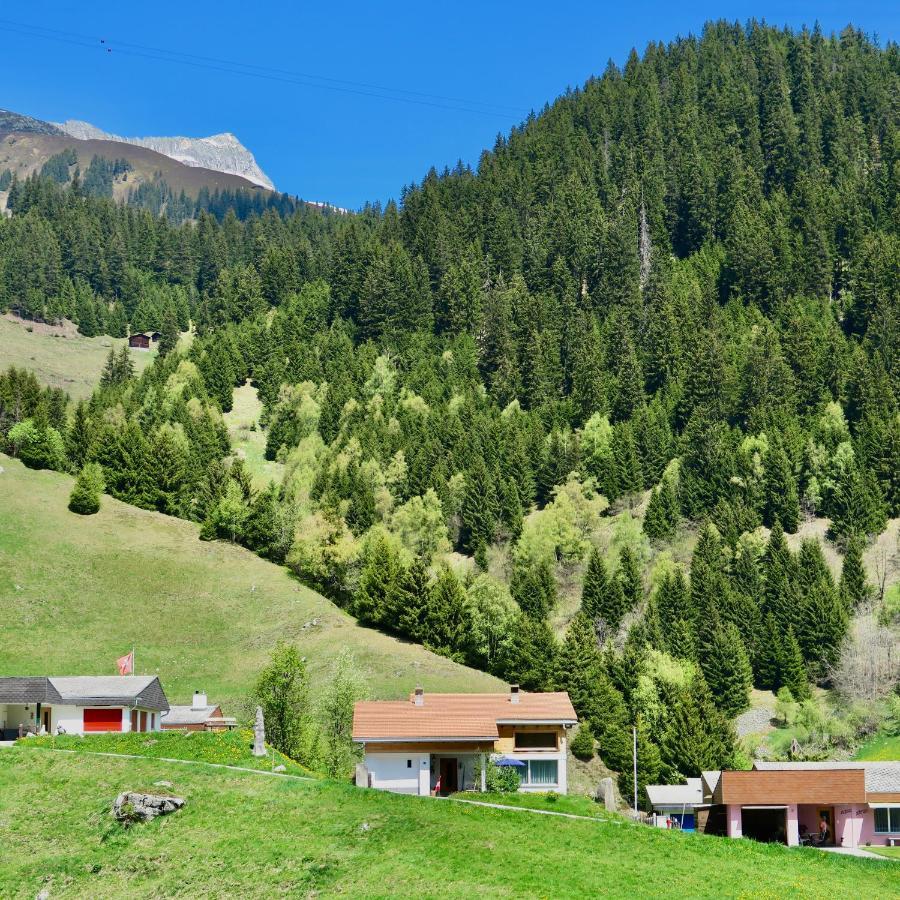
(103, 719)
(765, 823)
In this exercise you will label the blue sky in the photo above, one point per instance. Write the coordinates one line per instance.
(346, 146)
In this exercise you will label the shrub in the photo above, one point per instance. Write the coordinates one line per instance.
(582, 745)
(85, 496)
(500, 779)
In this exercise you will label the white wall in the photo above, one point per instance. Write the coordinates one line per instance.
(71, 718)
(403, 773)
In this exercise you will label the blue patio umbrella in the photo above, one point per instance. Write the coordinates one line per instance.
(508, 761)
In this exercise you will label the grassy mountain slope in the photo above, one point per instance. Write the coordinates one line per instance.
(58, 355)
(328, 839)
(25, 153)
(76, 592)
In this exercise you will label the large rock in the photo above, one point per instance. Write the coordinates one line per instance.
(606, 793)
(130, 807)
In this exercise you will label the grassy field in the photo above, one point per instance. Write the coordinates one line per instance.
(880, 747)
(248, 443)
(59, 356)
(551, 802)
(243, 835)
(229, 748)
(889, 852)
(77, 592)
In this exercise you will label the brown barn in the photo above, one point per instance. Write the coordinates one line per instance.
(139, 341)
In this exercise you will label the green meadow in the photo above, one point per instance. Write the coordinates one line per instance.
(242, 834)
(77, 592)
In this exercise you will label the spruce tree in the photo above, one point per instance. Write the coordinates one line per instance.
(781, 503)
(413, 590)
(767, 661)
(629, 577)
(793, 671)
(601, 595)
(447, 618)
(698, 736)
(533, 587)
(656, 524)
(854, 589)
(726, 667)
(782, 595)
(85, 496)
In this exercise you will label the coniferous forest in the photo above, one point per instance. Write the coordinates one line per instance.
(676, 290)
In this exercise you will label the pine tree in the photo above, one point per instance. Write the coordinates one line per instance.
(375, 601)
(602, 599)
(782, 595)
(169, 333)
(414, 589)
(78, 436)
(629, 577)
(780, 491)
(479, 512)
(726, 667)
(447, 618)
(656, 524)
(582, 745)
(854, 589)
(767, 661)
(533, 587)
(793, 671)
(85, 496)
(698, 736)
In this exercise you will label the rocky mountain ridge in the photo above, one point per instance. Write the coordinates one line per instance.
(220, 152)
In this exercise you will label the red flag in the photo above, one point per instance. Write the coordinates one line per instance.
(126, 664)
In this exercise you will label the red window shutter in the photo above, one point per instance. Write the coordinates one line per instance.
(143, 720)
(106, 719)
(134, 720)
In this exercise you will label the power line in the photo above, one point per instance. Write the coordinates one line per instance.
(252, 70)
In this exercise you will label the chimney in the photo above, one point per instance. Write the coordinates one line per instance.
(513, 693)
(420, 697)
(199, 701)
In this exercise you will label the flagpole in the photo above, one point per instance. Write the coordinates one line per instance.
(132, 660)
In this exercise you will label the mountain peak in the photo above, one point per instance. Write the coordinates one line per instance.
(220, 152)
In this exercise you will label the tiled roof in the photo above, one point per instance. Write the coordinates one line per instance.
(690, 794)
(881, 777)
(456, 716)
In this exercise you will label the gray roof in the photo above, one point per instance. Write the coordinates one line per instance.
(86, 690)
(188, 715)
(710, 779)
(881, 777)
(690, 794)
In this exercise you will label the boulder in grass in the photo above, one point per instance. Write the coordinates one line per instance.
(131, 807)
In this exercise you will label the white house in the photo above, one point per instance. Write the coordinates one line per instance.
(439, 743)
(80, 704)
(675, 805)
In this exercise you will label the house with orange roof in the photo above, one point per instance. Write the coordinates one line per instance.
(440, 743)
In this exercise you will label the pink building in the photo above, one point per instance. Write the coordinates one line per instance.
(839, 804)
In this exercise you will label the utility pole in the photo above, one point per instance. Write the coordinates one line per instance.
(634, 758)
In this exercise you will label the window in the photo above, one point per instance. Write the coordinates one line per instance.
(535, 740)
(540, 772)
(409, 764)
(887, 820)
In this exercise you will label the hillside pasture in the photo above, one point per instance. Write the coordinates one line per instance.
(59, 356)
(78, 592)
